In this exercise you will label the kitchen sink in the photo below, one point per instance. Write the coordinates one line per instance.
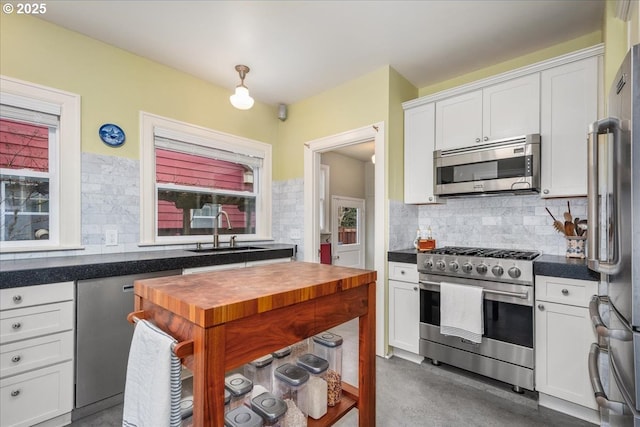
(224, 249)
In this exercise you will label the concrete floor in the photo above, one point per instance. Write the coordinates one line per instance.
(412, 395)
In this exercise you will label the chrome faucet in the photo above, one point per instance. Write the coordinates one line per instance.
(216, 238)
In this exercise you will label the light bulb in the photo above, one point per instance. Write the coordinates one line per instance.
(241, 99)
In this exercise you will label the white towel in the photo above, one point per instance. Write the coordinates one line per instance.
(461, 311)
(153, 387)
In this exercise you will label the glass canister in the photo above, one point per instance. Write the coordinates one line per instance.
(291, 386)
(270, 408)
(259, 371)
(316, 386)
(227, 400)
(242, 416)
(239, 386)
(328, 346)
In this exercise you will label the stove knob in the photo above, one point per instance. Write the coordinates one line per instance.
(428, 264)
(441, 265)
(453, 266)
(481, 268)
(497, 270)
(467, 267)
(514, 272)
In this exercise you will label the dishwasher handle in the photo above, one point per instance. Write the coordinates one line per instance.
(127, 288)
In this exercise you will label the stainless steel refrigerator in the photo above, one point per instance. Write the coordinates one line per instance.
(614, 238)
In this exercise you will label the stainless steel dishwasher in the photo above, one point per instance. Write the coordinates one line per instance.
(103, 338)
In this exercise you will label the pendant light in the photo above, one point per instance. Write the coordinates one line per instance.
(241, 99)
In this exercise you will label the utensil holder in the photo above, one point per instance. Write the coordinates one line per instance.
(575, 246)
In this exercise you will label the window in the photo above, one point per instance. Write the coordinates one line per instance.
(202, 180)
(39, 168)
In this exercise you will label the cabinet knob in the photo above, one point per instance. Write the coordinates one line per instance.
(565, 292)
(486, 138)
(16, 325)
(540, 307)
(17, 299)
(402, 272)
(430, 198)
(545, 191)
(16, 358)
(415, 288)
(477, 139)
(15, 393)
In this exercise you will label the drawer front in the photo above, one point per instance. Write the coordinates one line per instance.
(28, 296)
(36, 396)
(35, 321)
(403, 272)
(23, 356)
(565, 291)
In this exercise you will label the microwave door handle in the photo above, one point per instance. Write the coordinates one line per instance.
(612, 266)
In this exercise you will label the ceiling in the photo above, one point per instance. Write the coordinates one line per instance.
(297, 49)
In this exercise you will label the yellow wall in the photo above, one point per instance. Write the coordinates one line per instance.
(616, 42)
(400, 90)
(115, 85)
(351, 105)
(512, 64)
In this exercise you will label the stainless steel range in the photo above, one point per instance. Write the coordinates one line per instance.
(506, 276)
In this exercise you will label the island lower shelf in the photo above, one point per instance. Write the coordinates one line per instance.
(292, 304)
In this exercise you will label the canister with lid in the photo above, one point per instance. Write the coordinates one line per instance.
(240, 387)
(280, 357)
(291, 386)
(270, 408)
(259, 371)
(242, 416)
(227, 400)
(328, 346)
(316, 386)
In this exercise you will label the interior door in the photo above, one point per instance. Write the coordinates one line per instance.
(347, 231)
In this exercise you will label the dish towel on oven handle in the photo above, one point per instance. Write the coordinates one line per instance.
(461, 313)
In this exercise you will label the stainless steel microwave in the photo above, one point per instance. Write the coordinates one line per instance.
(505, 165)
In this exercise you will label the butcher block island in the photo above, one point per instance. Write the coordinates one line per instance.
(235, 316)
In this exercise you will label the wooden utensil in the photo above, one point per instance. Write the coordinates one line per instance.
(556, 224)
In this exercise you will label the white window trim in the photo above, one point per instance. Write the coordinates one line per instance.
(188, 132)
(66, 161)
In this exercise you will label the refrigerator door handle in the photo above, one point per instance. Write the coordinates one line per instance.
(598, 391)
(599, 326)
(610, 266)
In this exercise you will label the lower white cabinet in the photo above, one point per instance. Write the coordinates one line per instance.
(232, 266)
(36, 355)
(404, 307)
(563, 336)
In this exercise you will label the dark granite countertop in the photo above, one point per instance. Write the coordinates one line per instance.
(560, 266)
(37, 271)
(403, 255)
(546, 265)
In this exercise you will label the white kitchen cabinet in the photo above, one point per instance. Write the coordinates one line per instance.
(563, 337)
(419, 139)
(569, 103)
(507, 109)
(36, 354)
(404, 310)
(232, 266)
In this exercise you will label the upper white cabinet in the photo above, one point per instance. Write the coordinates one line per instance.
(419, 134)
(569, 103)
(503, 110)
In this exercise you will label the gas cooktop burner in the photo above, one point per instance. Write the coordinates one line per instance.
(486, 252)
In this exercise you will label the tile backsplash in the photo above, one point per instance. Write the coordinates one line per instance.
(509, 221)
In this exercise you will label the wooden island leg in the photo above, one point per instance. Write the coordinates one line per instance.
(367, 363)
(208, 376)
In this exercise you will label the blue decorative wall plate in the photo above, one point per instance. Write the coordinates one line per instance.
(111, 134)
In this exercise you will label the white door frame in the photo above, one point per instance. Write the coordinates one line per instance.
(313, 150)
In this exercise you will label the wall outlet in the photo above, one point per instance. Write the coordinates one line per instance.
(111, 237)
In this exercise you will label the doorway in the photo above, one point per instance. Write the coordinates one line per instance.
(348, 231)
(312, 154)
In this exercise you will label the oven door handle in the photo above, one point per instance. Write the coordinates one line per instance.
(523, 295)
